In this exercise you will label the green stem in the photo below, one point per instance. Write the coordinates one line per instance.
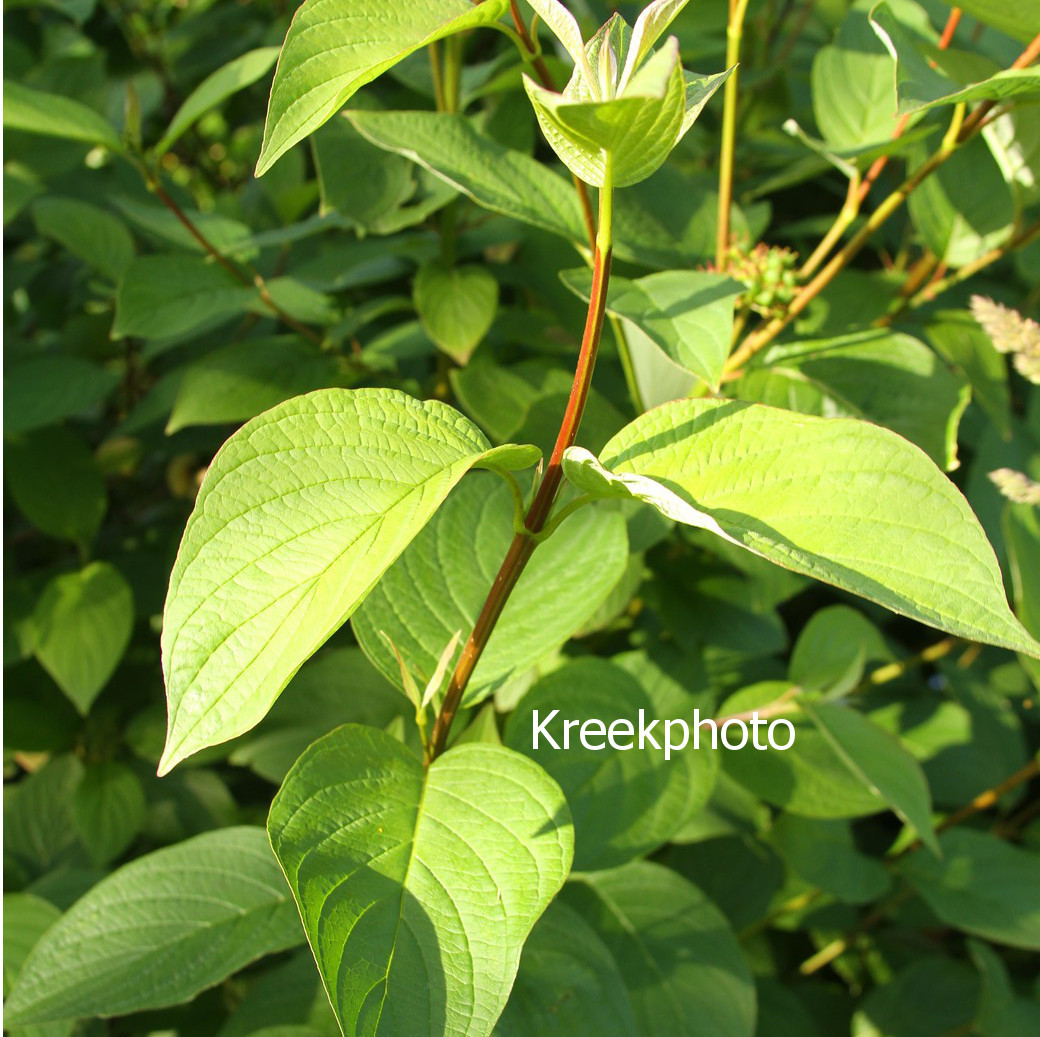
(734, 36)
(434, 50)
(452, 72)
(849, 211)
(627, 367)
(525, 541)
(764, 335)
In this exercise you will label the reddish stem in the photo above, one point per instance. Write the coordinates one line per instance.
(524, 543)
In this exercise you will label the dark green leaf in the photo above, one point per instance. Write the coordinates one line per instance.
(159, 930)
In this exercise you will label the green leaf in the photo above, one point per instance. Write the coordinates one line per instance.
(568, 983)
(1018, 18)
(688, 314)
(159, 930)
(379, 182)
(26, 919)
(494, 176)
(46, 389)
(20, 188)
(625, 803)
(824, 854)
(87, 231)
(418, 888)
(1001, 1013)
(920, 82)
(217, 87)
(960, 341)
(228, 236)
(885, 377)
(55, 482)
(630, 136)
(441, 581)
(168, 295)
(833, 649)
(965, 207)
(879, 761)
(334, 48)
(456, 306)
(300, 513)
(931, 997)
(857, 157)
(52, 115)
(38, 829)
(981, 885)
(1022, 538)
(336, 687)
(685, 973)
(108, 809)
(231, 385)
(837, 499)
(524, 402)
(288, 993)
(853, 92)
(83, 622)
(809, 779)
(565, 28)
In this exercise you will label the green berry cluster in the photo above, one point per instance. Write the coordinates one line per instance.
(768, 271)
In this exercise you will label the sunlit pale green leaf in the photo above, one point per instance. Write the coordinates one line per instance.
(841, 500)
(622, 139)
(300, 514)
(416, 907)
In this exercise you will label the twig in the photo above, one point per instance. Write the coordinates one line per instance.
(256, 281)
(734, 36)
